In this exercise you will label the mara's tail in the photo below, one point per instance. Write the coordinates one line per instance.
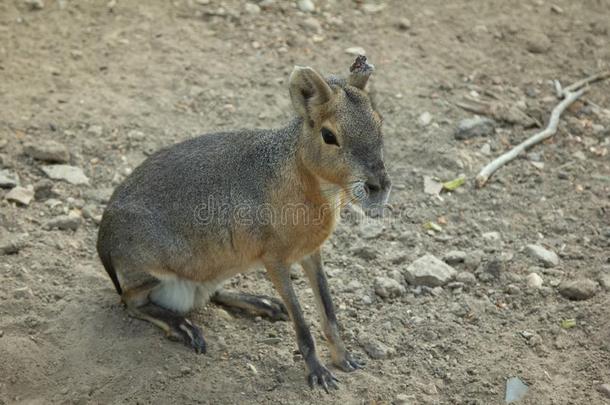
(107, 262)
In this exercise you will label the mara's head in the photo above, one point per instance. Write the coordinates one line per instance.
(342, 143)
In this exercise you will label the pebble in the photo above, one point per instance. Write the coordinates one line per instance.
(353, 285)
(364, 252)
(35, 4)
(512, 289)
(43, 190)
(604, 389)
(580, 289)
(429, 271)
(306, 6)
(545, 256)
(11, 244)
(404, 24)
(65, 222)
(492, 236)
(355, 50)
(8, 179)
(71, 174)
(375, 349)
(494, 267)
(604, 281)
(47, 151)
(371, 229)
(252, 8)
(454, 257)
(474, 127)
(534, 281)
(386, 287)
(370, 8)
(185, 370)
(311, 24)
(95, 130)
(466, 277)
(537, 43)
(21, 195)
(425, 119)
(404, 399)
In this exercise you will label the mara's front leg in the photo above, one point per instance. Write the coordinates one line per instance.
(279, 273)
(317, 279)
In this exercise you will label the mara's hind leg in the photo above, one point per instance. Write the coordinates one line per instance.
(152, 301)
(255, 305)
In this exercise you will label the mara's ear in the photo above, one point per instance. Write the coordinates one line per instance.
(308, 89)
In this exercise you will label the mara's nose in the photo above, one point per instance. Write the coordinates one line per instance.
(377, 182)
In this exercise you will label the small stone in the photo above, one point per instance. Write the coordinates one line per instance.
(47, 151)
(474, 127)
(366, 300)
(513, 289)
(311, 24)
(545, 256)
(454, 257)
(534, 281)
(71, 174)
(404, 24)
(306, 6)
(252, 8)
(370, 8)
(35, 4)
(429, 271)
(494, 267)
(556, 9)
(8, 179)
(364, 252)
(425, 119)
(271, 341)
(355, 50)
(604, 389)
(371, 229)
(537, 43)
(466, 278)
(43, 190)
(580, 289)
(604, 281)
(375, 349)
(21, 195)
(404, 399)
(11, 244)
(386, 287)
(65, 222)
(95, 130)
(185, 370)
(252, 368)
(353, 285)
(492, 236)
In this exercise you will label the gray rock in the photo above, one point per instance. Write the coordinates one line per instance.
(580, 289)
(43, 190)
(11, 244)
(252, 8)
(47, 151)
(35, 4)
(513, 289)
(8, 179)
(466, 278)
(534, 281)
(71, 174)
(20, 195)
(364, 252)
(537, 43)
(404, 24)
(425, 119)
(311, 24)
(545, 256)
(100, 195)
(429, 271)
(371, 229)
(353, 285)
(375, 349)
(95, 130)
(494, 267)
(604, 389)
(474, 127)
(370, 8)
(604, 281)
(65, 222)
(404, 399)
(386, 287)
(306, 6)
(454, 257)
(492, 236)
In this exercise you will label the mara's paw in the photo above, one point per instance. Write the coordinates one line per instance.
(321, 376)
(273, 309)
(349, 363)
(191, 334)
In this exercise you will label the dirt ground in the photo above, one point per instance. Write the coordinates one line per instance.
(114, 81)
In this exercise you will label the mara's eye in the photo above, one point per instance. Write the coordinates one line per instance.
(329, 137)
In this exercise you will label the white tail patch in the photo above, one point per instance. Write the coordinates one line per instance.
(177, 295)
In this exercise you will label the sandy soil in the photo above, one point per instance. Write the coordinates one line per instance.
(115, 82)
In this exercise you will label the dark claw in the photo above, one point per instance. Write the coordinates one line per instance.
(276, 310)
(321, 376)
(192, 336)
(349, 363)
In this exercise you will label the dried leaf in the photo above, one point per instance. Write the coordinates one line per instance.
(432, 186)
(568, 323)
(432, 226)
